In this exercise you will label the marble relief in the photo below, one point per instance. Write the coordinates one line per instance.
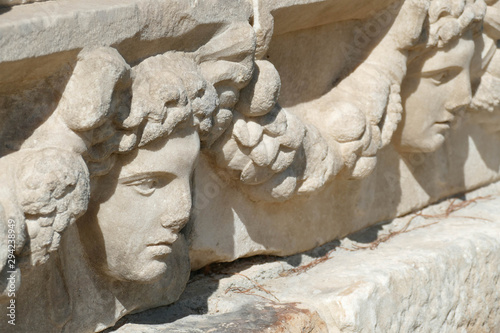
(101, 191)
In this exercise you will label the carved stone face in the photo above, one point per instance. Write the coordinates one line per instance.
(145, 202)
(435, 89)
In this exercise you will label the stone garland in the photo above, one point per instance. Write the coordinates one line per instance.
(223, 100)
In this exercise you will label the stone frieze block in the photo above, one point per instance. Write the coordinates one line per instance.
(141, 140)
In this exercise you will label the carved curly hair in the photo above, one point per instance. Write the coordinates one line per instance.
(110, 109)
(130, 107)
(446, 21)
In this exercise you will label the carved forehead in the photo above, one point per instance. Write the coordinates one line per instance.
(175, 154)
(455, 54)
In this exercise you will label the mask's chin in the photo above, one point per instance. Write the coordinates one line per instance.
(429, 145)
(149, 272)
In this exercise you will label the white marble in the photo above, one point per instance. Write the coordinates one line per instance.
(140, 140)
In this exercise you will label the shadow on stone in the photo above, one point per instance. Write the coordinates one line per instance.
(368, 235)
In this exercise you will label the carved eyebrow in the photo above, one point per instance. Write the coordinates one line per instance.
(145, 175)
(437, 71)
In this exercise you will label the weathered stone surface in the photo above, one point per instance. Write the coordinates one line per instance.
(40, 39)
(323, 87)
(135, 134)
(257, 318)
(17, 2)
(434, 271)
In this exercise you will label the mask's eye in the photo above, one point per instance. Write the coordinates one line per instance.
(442, 76)
(147, 185)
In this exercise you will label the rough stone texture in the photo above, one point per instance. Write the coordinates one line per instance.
(135, 134)
(258, 318)
(312, 84)
(434, 271)
(18, 2)
(40, 39)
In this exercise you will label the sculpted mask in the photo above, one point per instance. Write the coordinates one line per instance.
(438, 83)
(102, 190)
(138, 209)
(445, 75)
(137, 223)
(122, 155)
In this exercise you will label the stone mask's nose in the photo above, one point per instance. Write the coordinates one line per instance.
(178, 215)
